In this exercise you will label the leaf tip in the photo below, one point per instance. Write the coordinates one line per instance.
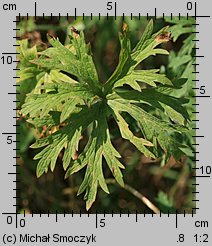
(49, 36)
(38, 173)
(125, 27)
(75, 32)
(67, 174)
(88, 205)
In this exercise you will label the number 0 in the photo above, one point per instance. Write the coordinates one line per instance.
(9, 220)
(189, 5)
(22, 223)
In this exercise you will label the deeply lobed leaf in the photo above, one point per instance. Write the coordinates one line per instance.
(70, 106)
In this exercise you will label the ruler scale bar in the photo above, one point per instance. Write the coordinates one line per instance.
(131, 219)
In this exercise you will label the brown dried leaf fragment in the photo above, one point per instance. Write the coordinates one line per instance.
(163, 37)
(125, 27)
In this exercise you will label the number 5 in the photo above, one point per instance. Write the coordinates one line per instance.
(109, 5)
(9, 139)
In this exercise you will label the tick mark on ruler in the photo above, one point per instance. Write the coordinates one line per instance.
(56, 217)
(202, 96)
(8, 53)
(201, 16)
(115, 10)
(96, 219)
(11, 133)
(176, 219)
(201, 176)
(35, 10)
(198, 56)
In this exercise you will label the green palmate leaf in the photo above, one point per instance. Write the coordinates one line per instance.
(169, 104)
(152, 127)
(100, 142)
(62, 97)
(149, 77)
(68, 107)
(74, 59)
(68, 137)
(125, 72)
(29, 76)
